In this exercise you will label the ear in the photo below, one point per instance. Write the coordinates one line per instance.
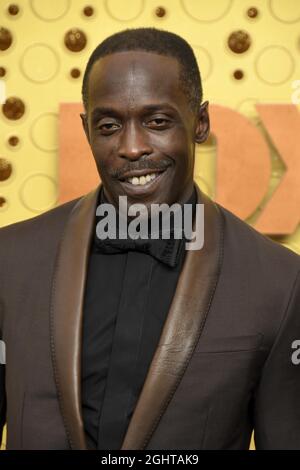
(202, 124)
(85, 125)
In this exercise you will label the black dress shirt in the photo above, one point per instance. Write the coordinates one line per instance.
(127, 298)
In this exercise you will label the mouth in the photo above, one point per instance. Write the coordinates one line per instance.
(142, 182)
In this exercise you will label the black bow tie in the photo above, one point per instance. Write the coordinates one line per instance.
(168, 251)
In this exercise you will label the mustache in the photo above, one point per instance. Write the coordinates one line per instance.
(142, 165)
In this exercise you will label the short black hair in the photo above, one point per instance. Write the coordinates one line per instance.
(157, 41)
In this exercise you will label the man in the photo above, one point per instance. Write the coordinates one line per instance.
(114, 345)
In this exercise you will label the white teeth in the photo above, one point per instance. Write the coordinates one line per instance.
(142, 179)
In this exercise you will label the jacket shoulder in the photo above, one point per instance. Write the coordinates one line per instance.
(49, 224)
(257, 249)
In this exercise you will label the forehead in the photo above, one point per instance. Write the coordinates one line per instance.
(135, 77)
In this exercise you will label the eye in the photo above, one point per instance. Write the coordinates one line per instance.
(159, 122)
(108, 127)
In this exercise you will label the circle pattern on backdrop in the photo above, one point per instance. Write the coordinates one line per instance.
(39, 63)
(50, 11)
(43, 132)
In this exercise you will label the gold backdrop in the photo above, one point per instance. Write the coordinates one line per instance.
(248, 53)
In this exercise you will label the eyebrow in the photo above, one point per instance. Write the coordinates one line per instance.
(108, 110)
(103, 111)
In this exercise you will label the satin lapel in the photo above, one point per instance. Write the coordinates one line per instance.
(66, 314)
(182, 329)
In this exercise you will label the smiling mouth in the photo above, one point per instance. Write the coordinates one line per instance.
(143, 182)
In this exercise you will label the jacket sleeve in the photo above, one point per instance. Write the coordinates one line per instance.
(276, 405)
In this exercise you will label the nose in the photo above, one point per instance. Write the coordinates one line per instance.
(133, 143)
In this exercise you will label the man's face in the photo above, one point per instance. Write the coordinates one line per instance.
(140, 128)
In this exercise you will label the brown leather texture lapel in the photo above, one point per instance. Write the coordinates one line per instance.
(182, 329)
(66, 314)
(180, 333)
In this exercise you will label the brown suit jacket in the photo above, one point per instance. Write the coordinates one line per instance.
(223, 363)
